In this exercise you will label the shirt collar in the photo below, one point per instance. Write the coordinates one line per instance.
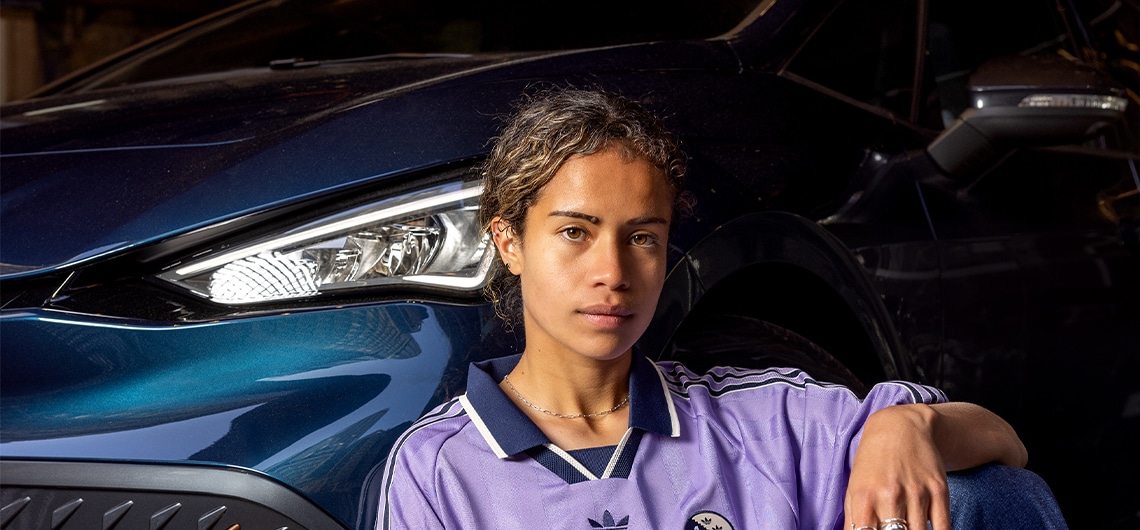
(509, 432)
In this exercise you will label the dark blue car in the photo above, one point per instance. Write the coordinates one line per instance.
(238, 260)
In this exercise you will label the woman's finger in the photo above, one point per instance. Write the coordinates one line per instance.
(918, 506)
(940, 508)
(891, 504)
(859, 512)
(895, 516)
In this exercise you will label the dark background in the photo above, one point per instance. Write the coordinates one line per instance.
(41, 40)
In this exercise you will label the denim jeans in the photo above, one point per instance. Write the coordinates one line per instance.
(1000, 497)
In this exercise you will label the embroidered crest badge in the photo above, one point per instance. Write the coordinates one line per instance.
(708, 521)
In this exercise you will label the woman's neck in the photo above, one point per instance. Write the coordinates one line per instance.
(572, 384)
(596, 389)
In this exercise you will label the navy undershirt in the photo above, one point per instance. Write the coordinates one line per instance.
(594, 458)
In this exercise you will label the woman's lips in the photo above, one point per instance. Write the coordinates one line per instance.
(605, 316)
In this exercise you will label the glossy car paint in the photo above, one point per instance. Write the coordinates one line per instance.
(816, 211)
(314, 411)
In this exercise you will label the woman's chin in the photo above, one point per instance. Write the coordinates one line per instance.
(605, 350)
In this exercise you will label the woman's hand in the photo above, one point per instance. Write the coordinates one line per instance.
(899, 471)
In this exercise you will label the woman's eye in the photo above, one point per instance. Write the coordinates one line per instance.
(643, 240)
(573, 234)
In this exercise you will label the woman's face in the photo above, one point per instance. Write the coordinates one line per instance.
(592, 258)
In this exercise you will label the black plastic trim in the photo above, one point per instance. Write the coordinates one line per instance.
(56, 495)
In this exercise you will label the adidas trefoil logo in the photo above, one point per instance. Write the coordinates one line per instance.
(608, 522)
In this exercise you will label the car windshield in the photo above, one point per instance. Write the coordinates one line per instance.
(324, 30)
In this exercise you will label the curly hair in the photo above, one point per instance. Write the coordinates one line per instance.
(546, 129)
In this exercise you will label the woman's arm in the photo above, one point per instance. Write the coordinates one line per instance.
(968, 436)
(900, 466)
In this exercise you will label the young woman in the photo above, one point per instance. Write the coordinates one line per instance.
(581, 190)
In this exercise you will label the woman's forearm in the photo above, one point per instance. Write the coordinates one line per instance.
(965, 435)
(968, 435)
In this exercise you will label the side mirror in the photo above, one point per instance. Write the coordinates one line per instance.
(1026, 102)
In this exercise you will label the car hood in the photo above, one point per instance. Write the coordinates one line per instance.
(92, 173)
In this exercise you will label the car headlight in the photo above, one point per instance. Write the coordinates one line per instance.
(429, 237)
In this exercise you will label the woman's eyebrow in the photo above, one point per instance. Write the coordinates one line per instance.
(647, 220)
(577, 215)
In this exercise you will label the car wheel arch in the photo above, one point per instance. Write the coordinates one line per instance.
(789, 259)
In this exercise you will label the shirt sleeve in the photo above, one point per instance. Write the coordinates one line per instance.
(832, 428)
(405, 502)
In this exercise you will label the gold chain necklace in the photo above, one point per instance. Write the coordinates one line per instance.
(507, 380)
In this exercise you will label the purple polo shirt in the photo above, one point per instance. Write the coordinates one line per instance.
(729, 449)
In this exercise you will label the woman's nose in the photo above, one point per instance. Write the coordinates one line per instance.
(610, 267)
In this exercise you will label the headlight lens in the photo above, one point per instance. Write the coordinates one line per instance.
(430, 237)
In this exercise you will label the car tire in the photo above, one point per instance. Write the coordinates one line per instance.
(719, 339)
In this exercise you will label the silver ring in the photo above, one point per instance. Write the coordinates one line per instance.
(894, 523)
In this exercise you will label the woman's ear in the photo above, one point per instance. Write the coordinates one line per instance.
(506, 244)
